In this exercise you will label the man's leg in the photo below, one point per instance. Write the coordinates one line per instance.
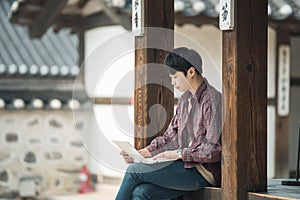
(171, 176)
(148, 191)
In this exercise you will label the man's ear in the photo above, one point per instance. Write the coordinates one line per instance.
(192, 71)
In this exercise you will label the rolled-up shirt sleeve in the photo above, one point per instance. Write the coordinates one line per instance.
(169, 140)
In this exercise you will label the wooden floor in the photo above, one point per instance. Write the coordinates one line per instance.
(276, 191)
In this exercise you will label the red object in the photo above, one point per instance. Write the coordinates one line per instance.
(84, 177)
(131, 100)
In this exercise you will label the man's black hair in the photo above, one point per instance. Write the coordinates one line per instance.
(182, 59)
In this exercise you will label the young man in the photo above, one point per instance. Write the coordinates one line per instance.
(193, 138)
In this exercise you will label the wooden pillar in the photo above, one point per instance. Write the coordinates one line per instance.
(244, 136)
(282, 122)
(159, 14)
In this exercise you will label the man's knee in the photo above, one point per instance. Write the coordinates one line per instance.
(141, 193)
(134, 168)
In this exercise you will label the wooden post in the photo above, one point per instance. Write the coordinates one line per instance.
(158, 14)
(282, 122)
(244, 137)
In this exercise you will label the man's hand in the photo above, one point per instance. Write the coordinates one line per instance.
(128, 159)
(145, 152)
(167, 154)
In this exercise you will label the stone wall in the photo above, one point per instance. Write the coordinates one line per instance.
(41, 145)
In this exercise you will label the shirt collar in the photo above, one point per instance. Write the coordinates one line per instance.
(198, 92)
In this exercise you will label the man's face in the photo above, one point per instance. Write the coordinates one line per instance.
(180, 82)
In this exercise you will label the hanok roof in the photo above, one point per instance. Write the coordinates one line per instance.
(78, 15)
(43, 68)
(56, 53)
(199, 12)
(86, 14)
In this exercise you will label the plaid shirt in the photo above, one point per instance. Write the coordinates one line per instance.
(197, 133)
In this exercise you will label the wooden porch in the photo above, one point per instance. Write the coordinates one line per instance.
(276, 191)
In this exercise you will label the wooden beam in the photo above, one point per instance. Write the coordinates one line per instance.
(117, 17)
(198, 20)
(257, 196)
(208, 193)
(49, 13)
(23, 21)
(295, 82)
(281, 123)
(82, 3)
(85, 23)
(95, 20)
(109, 101)
(45, 95)
(278, 192)
(119, 101)
(156, 14)
(25, 13)
(35, 1)
(68, 21)
(92, 21)
(37, 84)
(28, 7)
(124, 19)
(202, 19)
(292, 24)
(244, 137)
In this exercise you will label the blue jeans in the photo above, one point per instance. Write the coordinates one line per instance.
(159, 181)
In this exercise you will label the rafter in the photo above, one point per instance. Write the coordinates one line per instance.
(50, 12)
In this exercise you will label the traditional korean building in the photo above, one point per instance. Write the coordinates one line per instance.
(40, 151)
(245, 64)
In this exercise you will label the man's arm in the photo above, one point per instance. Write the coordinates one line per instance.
(208, 150)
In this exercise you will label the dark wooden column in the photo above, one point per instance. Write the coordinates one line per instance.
(158, 14)
(282, 122)
(244, 137)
